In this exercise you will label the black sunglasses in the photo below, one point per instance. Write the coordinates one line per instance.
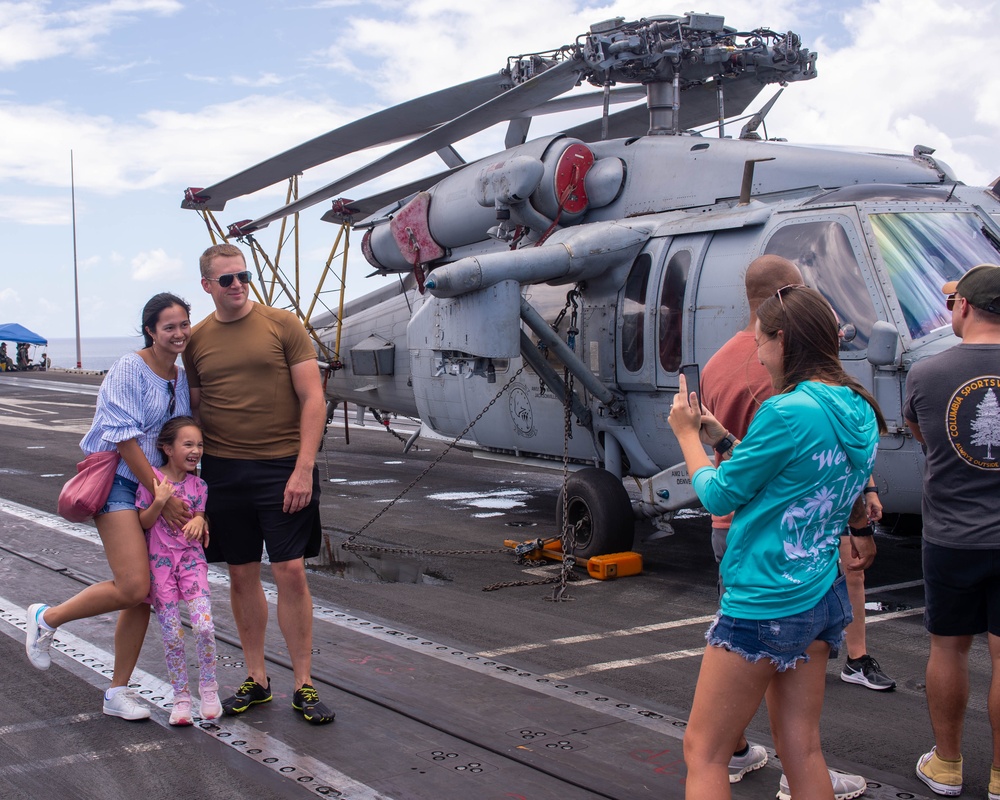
(225, 281)
(951, 301)
(173, 398)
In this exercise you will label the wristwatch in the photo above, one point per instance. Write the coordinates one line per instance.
(725, 444)
(871, 490)
(868, 530)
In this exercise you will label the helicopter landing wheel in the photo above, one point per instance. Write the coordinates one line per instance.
(599, 505)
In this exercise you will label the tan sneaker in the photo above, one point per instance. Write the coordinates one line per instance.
(944, 777)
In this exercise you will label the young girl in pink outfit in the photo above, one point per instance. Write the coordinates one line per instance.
(177, 567)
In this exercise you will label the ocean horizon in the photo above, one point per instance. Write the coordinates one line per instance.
(97, 353)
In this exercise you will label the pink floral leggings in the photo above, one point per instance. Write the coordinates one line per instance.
(172, 630)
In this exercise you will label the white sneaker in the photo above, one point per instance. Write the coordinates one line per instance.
(123, 704)
(211, 708)
(38, 640)
(755, 758)
(844, 786)
(180, 714)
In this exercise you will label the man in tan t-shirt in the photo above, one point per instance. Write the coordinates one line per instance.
(256, 391)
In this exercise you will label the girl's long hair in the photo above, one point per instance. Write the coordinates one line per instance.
(168, 433)
(811, 341)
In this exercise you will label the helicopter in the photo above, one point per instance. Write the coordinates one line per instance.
(551, 295)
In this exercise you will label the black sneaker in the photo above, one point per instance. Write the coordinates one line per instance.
(866, 672)
(307, 701)
(249, 694)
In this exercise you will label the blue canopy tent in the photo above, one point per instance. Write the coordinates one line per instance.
(12, 332)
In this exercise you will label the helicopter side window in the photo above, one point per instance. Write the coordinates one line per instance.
(672, 310)
(634, 314)
(922, 252)
(823, 251)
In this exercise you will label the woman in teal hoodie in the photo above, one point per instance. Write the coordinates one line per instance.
(791, 483)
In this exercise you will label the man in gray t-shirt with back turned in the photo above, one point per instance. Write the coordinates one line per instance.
(953, 408)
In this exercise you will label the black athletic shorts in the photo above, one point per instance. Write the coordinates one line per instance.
(961, 590)
(244, 511)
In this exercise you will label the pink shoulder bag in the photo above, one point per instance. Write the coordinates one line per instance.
(85, 493)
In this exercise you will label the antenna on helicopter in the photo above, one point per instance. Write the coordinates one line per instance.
(749, 130)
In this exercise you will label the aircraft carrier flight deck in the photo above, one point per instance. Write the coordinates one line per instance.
(441, 689)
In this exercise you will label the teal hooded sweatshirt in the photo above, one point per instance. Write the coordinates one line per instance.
(791, 483)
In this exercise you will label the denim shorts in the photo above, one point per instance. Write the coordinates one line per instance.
(784, 640)
(122, 497)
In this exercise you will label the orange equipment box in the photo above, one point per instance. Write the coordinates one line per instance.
(614, 565)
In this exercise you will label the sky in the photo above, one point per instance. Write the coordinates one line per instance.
(153, 96)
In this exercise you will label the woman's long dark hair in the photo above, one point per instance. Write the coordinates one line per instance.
(155, 306)
(811, 341)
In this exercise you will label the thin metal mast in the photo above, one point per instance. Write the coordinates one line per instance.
(76, 280)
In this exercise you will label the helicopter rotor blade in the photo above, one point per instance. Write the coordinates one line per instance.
(624, 94)
(360, 211)
(533, 92)
(404, 121)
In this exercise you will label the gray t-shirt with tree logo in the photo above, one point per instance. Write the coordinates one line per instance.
(954, 397)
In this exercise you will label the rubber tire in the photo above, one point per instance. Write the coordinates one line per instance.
(598, 495)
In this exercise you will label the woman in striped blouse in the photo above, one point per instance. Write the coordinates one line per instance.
(140, 393)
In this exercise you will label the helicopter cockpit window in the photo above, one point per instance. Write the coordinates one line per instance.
(634, 314)
(922, 252)
(672, 309)
(823, 251)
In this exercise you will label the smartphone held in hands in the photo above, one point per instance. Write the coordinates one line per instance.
(692, 376)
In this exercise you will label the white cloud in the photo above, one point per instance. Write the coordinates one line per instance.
(424, 45)
(881, 84)
(31, 31)
(159, 148)
(156, 265)
(263, 80)
(883, 88)
(34, 210)
(214, 80)
(120, 69)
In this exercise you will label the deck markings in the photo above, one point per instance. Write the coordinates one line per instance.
(53, 722)
(589, 669)
(45, 764)
(53, 386)
(892, 587)
(544, 684)
(908, 612)
(637, 714)
(593, 637)
(483, 663)
(242, 737)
